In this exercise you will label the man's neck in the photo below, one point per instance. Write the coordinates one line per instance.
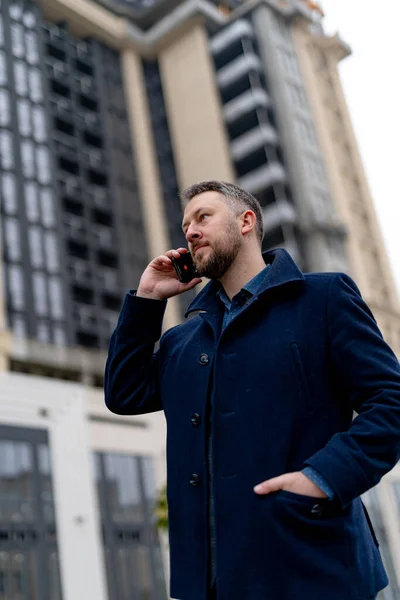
(241, 272)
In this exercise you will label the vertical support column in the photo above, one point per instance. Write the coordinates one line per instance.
(146, 165)
(198, 134)
(77, 515)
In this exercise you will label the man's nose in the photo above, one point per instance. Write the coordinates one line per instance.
(192, 234)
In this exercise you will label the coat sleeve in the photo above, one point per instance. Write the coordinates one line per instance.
(131, 382)
(368, 374)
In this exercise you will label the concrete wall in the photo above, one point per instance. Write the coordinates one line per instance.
(198, 133)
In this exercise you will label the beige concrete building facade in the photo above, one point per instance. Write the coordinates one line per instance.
(248, 93)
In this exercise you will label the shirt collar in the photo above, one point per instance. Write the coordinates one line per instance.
(249, 289)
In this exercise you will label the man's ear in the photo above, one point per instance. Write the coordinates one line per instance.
(249, 221)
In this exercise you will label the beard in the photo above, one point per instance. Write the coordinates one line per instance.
(221, 255)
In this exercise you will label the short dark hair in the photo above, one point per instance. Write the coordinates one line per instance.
(237, 199)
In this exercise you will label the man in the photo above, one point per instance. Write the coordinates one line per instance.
(258, 388)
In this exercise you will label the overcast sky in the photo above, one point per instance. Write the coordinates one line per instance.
(371, 80)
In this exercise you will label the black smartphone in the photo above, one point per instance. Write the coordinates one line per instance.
(184, 267)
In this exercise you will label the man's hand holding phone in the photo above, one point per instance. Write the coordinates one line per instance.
(160, 279)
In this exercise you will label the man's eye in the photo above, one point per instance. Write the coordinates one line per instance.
(203, 215)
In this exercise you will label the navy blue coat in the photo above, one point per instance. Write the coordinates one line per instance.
(286, 376)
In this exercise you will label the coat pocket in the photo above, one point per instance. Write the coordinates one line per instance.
(301, 376)
(315, 530)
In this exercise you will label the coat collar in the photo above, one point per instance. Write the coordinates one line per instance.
(283, 271)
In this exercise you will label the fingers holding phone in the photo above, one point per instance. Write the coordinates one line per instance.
(168, 275)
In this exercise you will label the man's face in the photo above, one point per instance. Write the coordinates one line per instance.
(213, 235)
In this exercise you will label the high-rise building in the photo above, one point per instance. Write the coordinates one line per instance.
(107, 109)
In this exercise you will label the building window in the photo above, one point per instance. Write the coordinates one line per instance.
(3, 69)
(9, 193)
(24, 117)
(31, 202)
(29, 20)
(59, 335)
(43, 332)
(17, 40)
(5, 114)
(27, 506)
(1, 31)
(21, 78)
(36, 247)
(16, 287)
(28, 158)
(43, 161)
(40, 294)
(18, 325)
(52, 260)
(32, 52)
(12, 239)
(35, 85)
(46, 200)
(56, 298)
(132, 549)
(39, 124)
(15, 11)
(6, 149)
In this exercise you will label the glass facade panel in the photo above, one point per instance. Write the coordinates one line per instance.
(28, 158)
(32, 202)
(51, 250)
(29, 566)
(40, 294)
(24, 117)
(43, 160)
(12, 239)
(131, 546)
(56, 298)
(21, 78)
(5, 114)
(16, 287)
(48, 214)
(35, 85)
(124, 490)
(18, 325)
(39, 124)
(9, 193)
(17, 40)
(6, 149)
(36, 246)
(3, 69)
(32, 51)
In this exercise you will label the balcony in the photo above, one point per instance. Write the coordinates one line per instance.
(108, 280)
(65, 145)
(99, 196)
(69, 185)
(62, 108)
(102, 236)
(263, 177)
(85, 317)
(80, 272)
(231, 34)
(237, 69)
(87, 119)
(74, 227)
(278, 214)
(93, 157)
(245, 103)
(251, 141)
(56, 69)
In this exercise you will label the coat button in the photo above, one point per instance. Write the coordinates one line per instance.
(195, 480)
(204, 359)
(317, 510)
(196, 419)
